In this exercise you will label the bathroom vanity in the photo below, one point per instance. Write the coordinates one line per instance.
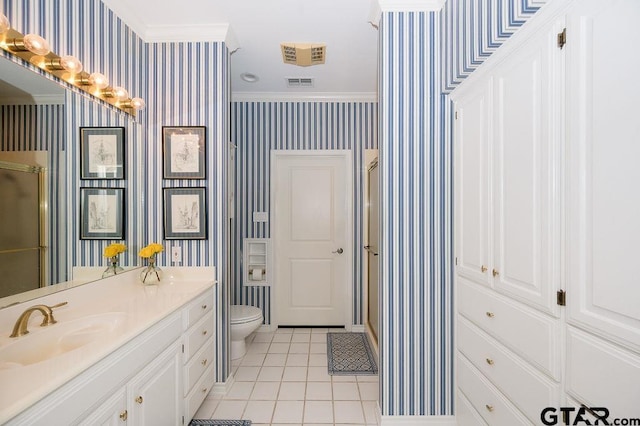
(120, 353)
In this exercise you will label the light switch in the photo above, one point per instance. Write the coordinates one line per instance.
(176, 254)
(260, 216)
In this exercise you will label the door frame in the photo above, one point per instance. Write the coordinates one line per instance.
(347, 156)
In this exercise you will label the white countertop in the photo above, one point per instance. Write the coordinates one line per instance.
(142, 307)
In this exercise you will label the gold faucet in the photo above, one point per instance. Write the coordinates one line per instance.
(20, 328)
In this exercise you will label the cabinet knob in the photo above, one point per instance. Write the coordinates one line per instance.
(495, 272)
(490, 314)
(124, 415)
(204, 307)
(204, 390)
(139, 399)
(203, 362)
(489, 407)
(489, 361)
(204, 332)
(483, 268)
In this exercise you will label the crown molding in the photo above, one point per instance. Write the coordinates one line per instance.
(191, 33)
(304, 97)
(33, 100)
(380, 6)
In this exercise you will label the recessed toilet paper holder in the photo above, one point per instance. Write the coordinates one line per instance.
(256, 261)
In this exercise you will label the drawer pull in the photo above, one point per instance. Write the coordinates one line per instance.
(203, 362)
(495, 272)
(204, 332)
(489, 407)
(139, 399)
(124, 415)
(204, 307)
(490, 314)
(483, 268)
(489, 361)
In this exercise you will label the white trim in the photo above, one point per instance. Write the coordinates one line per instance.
(418, 420)
(221, 388)
(266, 328)
(33, 100)
(347, 156)
(380, 6)
(357, 328)
(304, 97)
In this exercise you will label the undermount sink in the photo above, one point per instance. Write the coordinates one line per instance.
(59, 339)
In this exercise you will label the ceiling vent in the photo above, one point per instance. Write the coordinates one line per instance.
(303, 54)
(300, 82)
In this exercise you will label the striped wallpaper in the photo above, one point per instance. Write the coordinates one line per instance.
(259, 127)
(189, 87)
(423, 56)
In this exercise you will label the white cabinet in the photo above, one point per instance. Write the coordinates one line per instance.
(602, 170)
(151, 397)
(546, 199)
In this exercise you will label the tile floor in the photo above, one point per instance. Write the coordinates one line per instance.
(283, 380)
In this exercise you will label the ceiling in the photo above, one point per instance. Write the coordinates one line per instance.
(257, 27)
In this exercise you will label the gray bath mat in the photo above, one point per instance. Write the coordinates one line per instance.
(349, 354)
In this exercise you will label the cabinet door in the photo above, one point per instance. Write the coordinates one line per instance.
(472, 189)
(603, 222)
(113, 412)
(526, 153)
(155, 395)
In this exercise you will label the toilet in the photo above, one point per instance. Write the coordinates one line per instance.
(244, 321)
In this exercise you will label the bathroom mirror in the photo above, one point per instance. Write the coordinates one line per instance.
(23, 94)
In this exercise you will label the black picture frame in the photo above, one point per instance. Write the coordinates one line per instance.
(102, 213)
(185, 213)
(184, 152)
(102, 154)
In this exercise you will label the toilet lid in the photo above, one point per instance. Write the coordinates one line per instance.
(243, 313)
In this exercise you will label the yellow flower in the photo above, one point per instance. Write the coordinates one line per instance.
(151, 250)
(114, 249)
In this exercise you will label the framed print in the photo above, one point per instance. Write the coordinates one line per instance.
(185, 214)
(101, 213)
(102, 153)
(184, 152)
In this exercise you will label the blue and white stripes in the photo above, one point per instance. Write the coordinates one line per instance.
(259, 127)
(415, 255)
(473, 29)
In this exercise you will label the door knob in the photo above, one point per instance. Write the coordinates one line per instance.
(339, 251)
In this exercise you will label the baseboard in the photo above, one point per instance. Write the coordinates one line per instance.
(266, 328)
(418, 421)
(357, 328)
(221, 388)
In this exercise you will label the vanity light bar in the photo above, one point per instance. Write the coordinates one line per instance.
(34, 49)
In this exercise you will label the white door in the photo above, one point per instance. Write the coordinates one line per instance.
(473, 196)
(602, 161)
(526, 149)
(311, 205)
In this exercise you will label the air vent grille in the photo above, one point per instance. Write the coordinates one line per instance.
(300, 82)
(303, 54)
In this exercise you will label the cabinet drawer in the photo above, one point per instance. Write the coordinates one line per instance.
(198, 309)
(198, 364)
(494, 408)
(198, 394)
(527, 388)
(197, 335)
(530, 334)
(600, 374)
(466, 415)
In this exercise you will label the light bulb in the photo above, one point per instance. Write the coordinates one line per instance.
(138, 103)
(98, 80)
(36, 44)
(120, 93)
(71, 64)
(4, 24)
